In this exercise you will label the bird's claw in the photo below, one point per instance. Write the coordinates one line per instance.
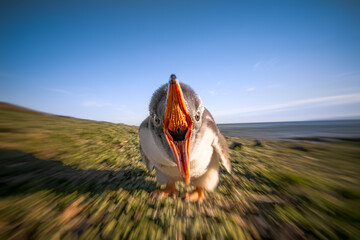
(195, 196)
(168, 191)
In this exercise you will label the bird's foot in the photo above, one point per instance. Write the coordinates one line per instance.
(168, 191)
(195, 196)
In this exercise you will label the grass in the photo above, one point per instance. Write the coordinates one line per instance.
(65, 178)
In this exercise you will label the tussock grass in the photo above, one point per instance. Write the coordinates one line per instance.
(70, 178)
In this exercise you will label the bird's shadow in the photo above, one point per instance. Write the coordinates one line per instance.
(22, 173)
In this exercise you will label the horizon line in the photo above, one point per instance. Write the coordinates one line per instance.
(344, 118)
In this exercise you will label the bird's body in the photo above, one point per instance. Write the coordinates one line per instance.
(206, 146)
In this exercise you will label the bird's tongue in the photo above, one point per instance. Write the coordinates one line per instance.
(177, 128)
(183, 156)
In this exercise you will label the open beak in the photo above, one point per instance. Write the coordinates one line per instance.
(178, 127)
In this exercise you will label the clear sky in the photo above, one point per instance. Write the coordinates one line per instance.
(250, 61)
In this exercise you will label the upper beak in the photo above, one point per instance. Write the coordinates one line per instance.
(178, 128)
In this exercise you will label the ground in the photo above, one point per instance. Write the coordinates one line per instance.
(65, 178)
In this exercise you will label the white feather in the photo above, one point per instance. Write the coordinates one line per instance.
(153, 149)
(205, 154)
(201, 153)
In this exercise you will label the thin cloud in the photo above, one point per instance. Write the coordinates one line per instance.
(266, 65)
(272, 86)
(250, 89)
(345, 74)
(8, 75)
(97, 104)
(328, 101)
(212, 92)
(57, 90)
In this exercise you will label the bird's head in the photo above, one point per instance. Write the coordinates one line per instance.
(176, 116)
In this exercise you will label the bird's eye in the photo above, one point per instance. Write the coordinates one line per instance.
(156, 121)
(197, 116)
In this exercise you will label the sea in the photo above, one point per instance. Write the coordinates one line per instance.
(301, 130)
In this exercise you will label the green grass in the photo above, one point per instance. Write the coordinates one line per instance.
(65, 178)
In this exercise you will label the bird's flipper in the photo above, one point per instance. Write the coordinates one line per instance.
(221, 148)
(146, 161)
(219, 144)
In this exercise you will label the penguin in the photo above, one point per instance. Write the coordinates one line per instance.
(181, 140)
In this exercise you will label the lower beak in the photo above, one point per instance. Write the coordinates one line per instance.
(178, 128)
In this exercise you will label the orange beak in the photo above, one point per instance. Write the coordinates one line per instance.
(177, 128)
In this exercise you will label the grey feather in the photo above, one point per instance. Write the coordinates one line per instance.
(156, 152)
(145, 159)
(220, 146)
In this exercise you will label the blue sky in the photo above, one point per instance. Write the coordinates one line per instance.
(250, 61)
